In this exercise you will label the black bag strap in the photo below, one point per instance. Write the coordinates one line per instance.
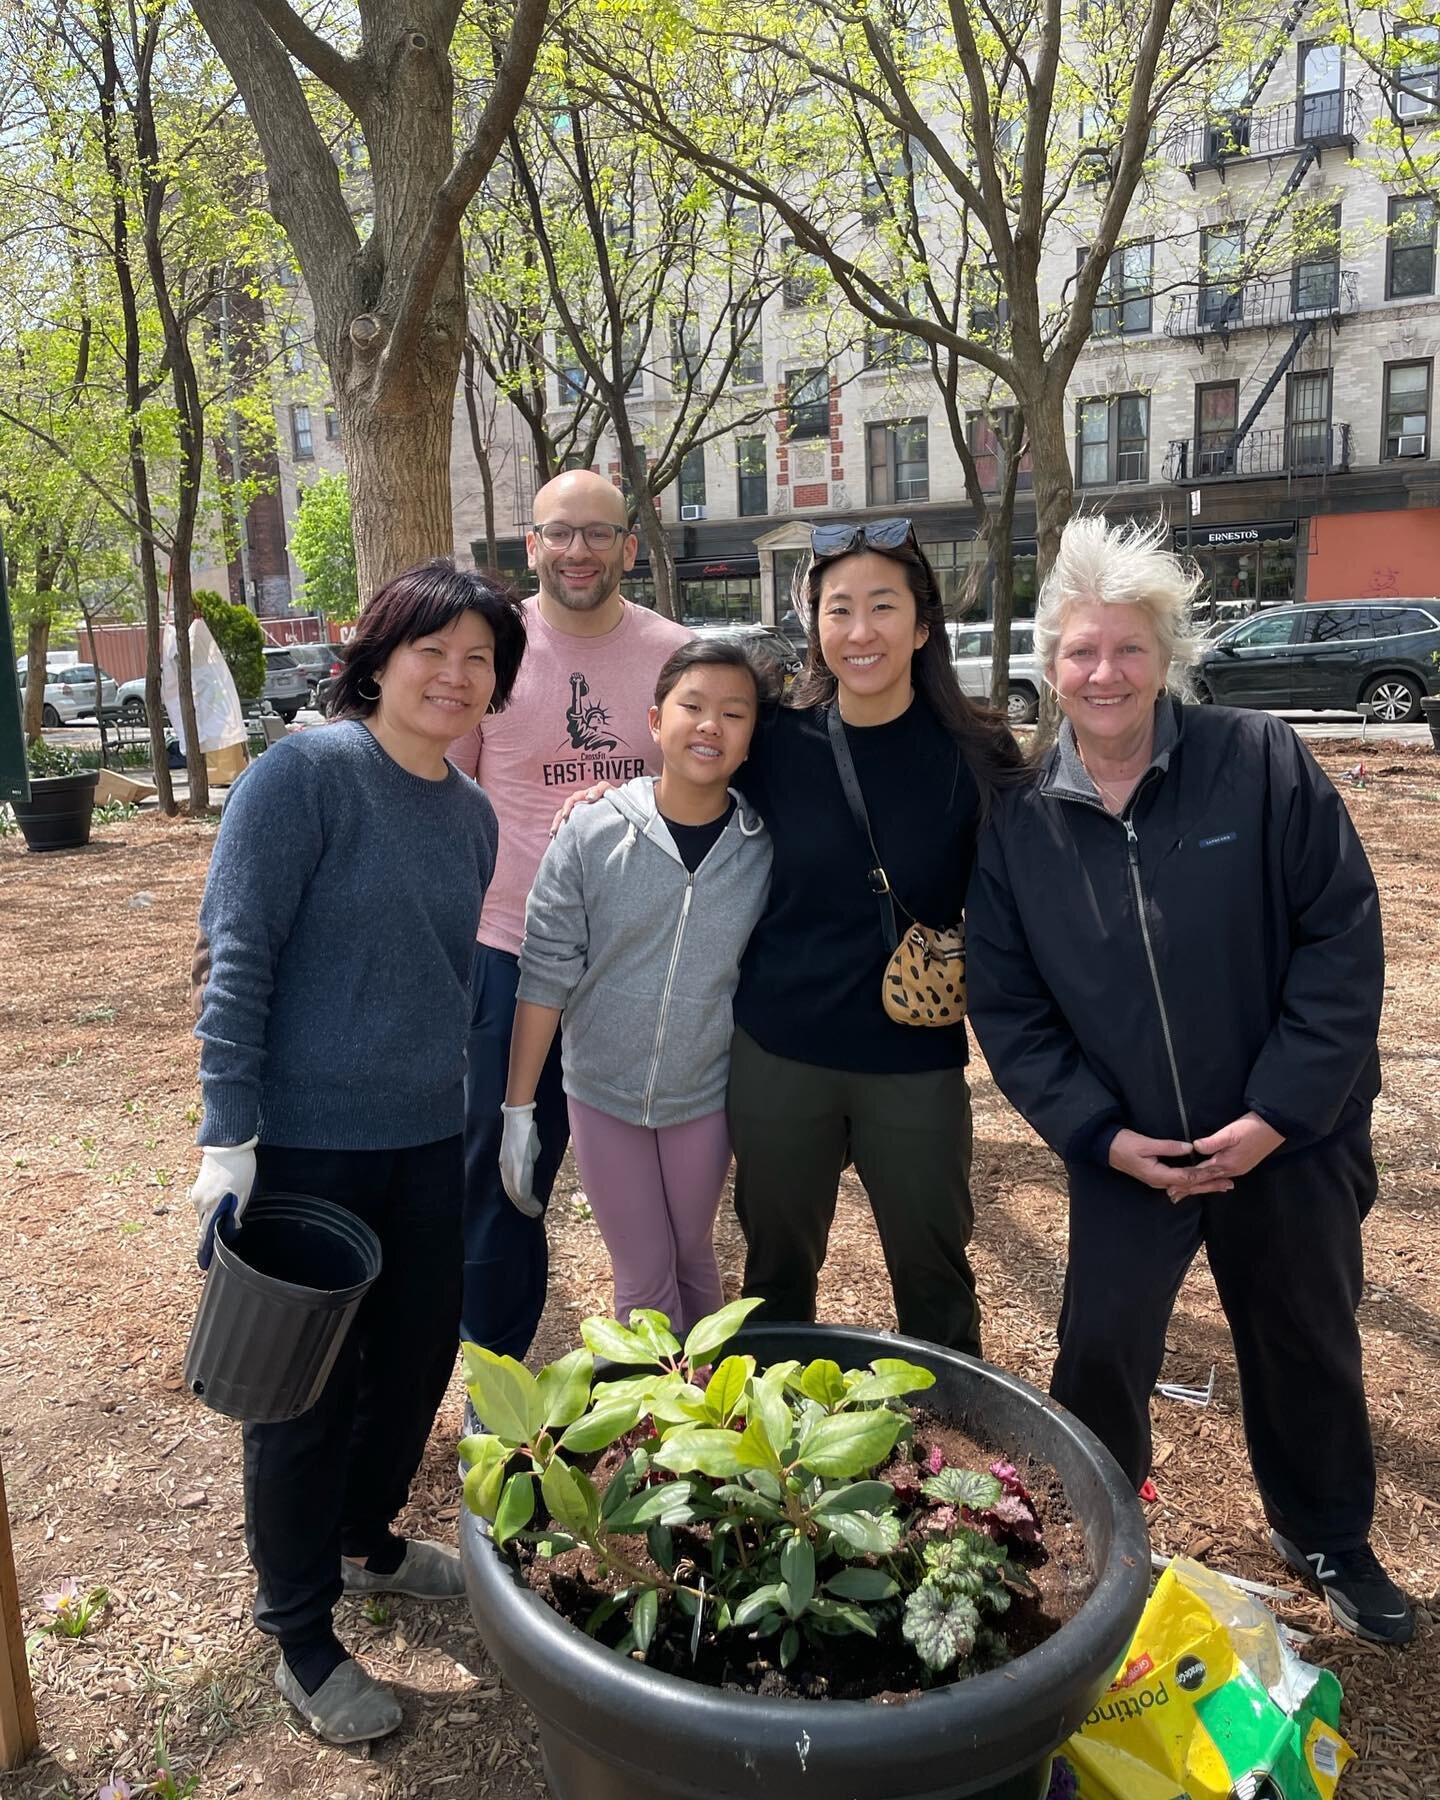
(850, 783)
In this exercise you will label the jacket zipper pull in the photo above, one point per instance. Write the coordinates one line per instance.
(1132, 843)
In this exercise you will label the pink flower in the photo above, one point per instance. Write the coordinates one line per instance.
(63, 1599)
(116, 1788)
(935, 1461)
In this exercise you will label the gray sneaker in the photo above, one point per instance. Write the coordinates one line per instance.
(427, 1572)
(350, 1707)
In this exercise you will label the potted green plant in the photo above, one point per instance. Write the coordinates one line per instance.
(1430, 708)
(748, 1516)
(62, 799)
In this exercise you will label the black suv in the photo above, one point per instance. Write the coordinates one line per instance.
(1328, 654)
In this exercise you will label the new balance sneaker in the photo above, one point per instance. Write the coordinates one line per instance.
(1361, 1596)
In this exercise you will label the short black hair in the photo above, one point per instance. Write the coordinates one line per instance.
(416, 604)
(719, 652)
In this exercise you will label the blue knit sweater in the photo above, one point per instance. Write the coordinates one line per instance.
(339, 918)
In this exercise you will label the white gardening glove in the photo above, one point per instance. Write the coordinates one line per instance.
(224, 1169)
(519, 1146)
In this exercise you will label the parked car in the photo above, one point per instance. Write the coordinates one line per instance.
(1328, 655)
(70, 693)
(970, 649)
(317, 661)
(286, 689)
(770, 645)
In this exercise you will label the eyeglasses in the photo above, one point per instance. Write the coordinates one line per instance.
(599, 536)
(875, 534)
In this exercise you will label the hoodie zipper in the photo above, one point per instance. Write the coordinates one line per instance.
(654, 1073)
(1132, 844)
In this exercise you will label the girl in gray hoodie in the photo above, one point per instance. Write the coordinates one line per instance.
(633, 934)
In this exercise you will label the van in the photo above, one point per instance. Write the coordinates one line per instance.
(970, 649)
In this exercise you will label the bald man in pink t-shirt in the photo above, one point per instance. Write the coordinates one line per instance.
(579, 713)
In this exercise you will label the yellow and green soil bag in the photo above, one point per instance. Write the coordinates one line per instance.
(1211, 1704)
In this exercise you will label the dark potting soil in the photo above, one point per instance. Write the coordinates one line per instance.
(853, 1667)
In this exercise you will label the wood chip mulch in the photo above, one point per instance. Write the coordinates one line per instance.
(118, 1479)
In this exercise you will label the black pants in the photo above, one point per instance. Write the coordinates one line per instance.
(330, 1482)
(1284, 1248)
(794, 1126)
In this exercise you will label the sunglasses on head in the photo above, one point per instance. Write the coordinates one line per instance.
(875, 534)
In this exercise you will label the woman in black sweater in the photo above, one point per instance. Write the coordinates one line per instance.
(820, 1074)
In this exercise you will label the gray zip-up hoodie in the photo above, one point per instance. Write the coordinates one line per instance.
(642, 956)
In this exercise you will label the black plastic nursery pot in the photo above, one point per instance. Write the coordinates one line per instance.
(282, 1292)
(612, 1729)
(57, 815)
(1430, 711)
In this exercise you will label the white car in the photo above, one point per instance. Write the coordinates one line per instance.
(970, 647)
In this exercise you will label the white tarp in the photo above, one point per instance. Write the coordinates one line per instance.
(218, 718)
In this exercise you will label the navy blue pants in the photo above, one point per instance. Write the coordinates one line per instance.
(330, 1482)
(507, 1259)
(1284, 1248)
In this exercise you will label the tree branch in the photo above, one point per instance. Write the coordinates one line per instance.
(344, 77)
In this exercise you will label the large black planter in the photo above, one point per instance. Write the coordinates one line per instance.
(57, 814)
(1430, 712)
(612, 1729)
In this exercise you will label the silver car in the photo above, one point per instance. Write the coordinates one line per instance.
(70, 694)
(285, 691)
(970, 647)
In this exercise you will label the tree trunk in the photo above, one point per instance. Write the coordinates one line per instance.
(99, 688)
(399, 467)
(1054, 504)
(37, 647)
(481, 453)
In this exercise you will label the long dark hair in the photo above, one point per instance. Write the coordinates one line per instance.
(985, 739)
(416, 604)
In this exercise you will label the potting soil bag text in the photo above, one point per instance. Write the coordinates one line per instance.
(1211, 1703)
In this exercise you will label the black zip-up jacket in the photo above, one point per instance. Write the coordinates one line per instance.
(1214, 950)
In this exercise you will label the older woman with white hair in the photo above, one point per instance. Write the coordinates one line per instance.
(1175, 974)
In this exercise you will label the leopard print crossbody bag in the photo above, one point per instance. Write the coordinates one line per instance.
(924, 980)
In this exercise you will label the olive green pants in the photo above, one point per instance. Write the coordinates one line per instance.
(795, 1125)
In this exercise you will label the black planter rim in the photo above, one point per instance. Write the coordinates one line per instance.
(1038, 1685)
(63, 784)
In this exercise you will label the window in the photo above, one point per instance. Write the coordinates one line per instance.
(569, 376)
(987, 435)
(302, 438)
(1222, 252)
(1308, 420)
(904, 175)
(989, 304)
(753, 496)
(1407, 410)
(292, 349)
(1315, 282)
(1261, 634)
(898, 462)
(287, 276)
(1320, 103)
(1124, 301)
(1415, 82)
(332, 425)
(804, 275)
(1113, 440)
(686, 354)
(807, 393)
(893, 349)
(1217, 412)
(692, 483)
(1411, 267)
(748, 345)
(632, 358)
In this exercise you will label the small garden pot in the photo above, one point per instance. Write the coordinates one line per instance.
(1430, 708)
(57, 814)
(613, 1729)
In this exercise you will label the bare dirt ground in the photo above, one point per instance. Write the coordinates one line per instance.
(117, 1478)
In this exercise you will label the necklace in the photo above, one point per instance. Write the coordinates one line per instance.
(1114, 799)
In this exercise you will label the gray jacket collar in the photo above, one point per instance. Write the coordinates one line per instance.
(1066, 777)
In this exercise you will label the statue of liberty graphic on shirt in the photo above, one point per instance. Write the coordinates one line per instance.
(585, 721)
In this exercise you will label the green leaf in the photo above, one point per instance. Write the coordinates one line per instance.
(516, 1508)
(892, 1378)
(665, 1502)
(726, 1387)
(839, 1615)
(849, 1443)
(660, 1542)
(747, 1501)
(789, 1646)
(653, 1328)
(963, 1487)
(561, 1487)
(610, 1339)
(864, 1534)
(942, 1631)
(565, 1388)
(487, 1457)
(862, 1584)
(506, 1396)
(858, 1496)
(769, 1406)
(822, 1381)
(711, 1333)
(797, 1571)
(671, 1400)
(754, 1448)
(759, 1600)
(702, 1448)
(599, 1429)
(646, 1614)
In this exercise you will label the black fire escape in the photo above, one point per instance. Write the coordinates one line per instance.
(1313, 293)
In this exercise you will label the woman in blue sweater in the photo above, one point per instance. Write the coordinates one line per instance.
(336, 935)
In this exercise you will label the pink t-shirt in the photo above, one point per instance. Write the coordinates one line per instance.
(578, 714)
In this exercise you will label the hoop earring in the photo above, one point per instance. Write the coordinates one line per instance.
(360, 689)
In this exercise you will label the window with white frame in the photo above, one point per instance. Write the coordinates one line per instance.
(1407, 409)
(1125, 301)
(748, 344)
(1112, 440)
(898, 462)
(302, 435)
(692, 483)
(1415, 73)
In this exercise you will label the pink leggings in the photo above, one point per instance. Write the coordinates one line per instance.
(655, 1195)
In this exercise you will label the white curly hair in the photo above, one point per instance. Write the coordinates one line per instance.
(1120, 565)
